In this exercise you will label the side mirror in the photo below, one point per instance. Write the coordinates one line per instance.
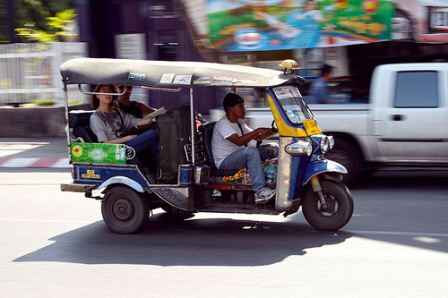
(300, 81)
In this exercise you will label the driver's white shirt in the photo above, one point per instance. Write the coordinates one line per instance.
(221, 147)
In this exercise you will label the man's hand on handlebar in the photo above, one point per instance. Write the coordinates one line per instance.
(263, 133)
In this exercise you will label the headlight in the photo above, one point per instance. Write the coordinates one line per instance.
(301, 147)
(331, 138)
(326, 143)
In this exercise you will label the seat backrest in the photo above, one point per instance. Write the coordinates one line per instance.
(207, 131)
(79, 123)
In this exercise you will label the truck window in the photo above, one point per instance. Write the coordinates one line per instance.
(417, 89)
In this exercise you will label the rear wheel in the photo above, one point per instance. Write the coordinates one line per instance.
(338, 211)
(124, 210)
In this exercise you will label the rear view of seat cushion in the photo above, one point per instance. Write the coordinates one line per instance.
(80, 123)
(207, 131)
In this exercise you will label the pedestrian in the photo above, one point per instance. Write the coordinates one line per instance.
(319, 89)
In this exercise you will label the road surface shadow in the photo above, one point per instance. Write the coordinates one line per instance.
(409, 180)
(408, 211)
(195, 242)
(403, 208)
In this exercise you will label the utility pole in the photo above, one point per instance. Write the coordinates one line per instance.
(10, 20)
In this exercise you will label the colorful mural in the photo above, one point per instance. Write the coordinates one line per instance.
(262, 25)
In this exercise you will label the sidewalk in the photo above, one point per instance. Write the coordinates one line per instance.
(33, 153)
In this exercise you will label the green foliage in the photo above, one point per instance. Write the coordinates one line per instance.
(47, 102)
(44, 21)
(3, 38)
(43, 102)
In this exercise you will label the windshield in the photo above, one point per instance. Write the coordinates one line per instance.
(293, 104)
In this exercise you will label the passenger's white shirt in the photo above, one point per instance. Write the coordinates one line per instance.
(222, 147)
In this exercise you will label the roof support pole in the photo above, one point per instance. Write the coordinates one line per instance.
(193, 127)
(67, 122)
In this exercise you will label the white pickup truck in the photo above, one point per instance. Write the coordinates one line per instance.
(405, 126)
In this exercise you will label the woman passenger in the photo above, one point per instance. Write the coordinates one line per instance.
(111, 125)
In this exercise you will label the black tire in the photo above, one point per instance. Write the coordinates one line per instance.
(324, 221)
(124, 210)
(347, 154)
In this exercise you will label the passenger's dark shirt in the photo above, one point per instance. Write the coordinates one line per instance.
(133, 109)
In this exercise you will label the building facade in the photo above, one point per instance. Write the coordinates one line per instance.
(144, 29)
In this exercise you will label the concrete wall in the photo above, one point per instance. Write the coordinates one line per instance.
(32, 122)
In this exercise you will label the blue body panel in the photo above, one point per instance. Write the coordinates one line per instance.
(296, 163)
(97, 174)
(298, 171)
(322, 166)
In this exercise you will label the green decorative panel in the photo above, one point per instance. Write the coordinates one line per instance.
(99, 153)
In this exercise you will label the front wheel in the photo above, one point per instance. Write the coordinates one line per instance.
(338, 211)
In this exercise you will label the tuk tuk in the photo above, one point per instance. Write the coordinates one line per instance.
(185, 180)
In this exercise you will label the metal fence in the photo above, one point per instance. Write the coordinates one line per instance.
(30, 72)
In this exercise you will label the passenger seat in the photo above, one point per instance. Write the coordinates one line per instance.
(79, 124)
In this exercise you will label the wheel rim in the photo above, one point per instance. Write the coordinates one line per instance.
(123, 210)
(332, 207)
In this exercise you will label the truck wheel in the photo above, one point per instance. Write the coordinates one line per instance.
(124, 210)
(348, 155)
(339, 210)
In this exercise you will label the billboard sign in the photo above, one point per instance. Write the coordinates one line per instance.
(263, 25)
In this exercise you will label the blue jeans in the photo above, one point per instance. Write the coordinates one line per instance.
(146, 145)
(250, 158)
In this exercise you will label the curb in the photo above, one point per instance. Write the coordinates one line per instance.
(35, 162)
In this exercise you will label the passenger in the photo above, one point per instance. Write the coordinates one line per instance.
(135, 108)
(319, 90)
(234, 146)
(110, 125)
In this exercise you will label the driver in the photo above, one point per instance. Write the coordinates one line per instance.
(110, 124)
(234, 146)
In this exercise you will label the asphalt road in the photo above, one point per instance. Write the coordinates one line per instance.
(54, 244)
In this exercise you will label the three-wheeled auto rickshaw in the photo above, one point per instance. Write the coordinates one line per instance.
(189, 182)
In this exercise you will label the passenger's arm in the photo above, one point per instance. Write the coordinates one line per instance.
(134, 122)
(120, 140)
(145, 109)
(142, 123)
